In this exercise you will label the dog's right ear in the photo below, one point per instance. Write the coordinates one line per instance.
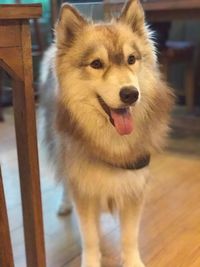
(133, 15)
(69, 25)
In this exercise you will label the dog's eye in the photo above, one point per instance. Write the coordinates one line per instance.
(131, 60)
(96, 64)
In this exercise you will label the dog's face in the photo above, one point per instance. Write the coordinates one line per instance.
(102, 65)
(109, 81)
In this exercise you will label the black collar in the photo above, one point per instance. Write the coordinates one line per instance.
(136, 165)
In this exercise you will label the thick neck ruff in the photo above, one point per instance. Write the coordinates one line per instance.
(140, 163)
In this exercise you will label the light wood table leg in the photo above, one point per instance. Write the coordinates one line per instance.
(6, 256)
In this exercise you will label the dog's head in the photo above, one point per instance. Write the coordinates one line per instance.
(107, 73)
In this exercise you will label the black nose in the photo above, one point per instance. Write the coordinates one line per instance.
(129, 94)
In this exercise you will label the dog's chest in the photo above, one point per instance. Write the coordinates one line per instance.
(110, 184)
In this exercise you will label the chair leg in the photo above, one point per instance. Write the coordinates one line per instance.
(189, 88)
(26, 137)
(6, 256)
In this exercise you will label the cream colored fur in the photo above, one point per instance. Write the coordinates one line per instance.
(85, 147)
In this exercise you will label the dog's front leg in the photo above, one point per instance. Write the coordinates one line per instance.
(129, 221)
(88, 212)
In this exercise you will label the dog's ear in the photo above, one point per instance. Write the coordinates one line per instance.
(69, 25)
(133, 15)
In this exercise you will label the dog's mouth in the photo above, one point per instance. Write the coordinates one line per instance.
(120, 118)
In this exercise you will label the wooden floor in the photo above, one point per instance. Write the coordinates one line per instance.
(170, 228)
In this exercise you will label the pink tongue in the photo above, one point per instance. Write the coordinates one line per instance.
(123, 122)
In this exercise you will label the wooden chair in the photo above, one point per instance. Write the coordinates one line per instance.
(16, 60)
(181, 52)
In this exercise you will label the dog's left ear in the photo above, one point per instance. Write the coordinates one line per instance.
(133, 15)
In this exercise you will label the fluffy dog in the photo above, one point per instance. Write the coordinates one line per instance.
(106, 109)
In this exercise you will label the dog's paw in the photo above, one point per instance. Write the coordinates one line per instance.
(64, 209)
(132, 258)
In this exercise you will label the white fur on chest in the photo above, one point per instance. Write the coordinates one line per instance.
(95, 179)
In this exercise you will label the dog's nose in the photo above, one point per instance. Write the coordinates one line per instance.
(129, 94)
